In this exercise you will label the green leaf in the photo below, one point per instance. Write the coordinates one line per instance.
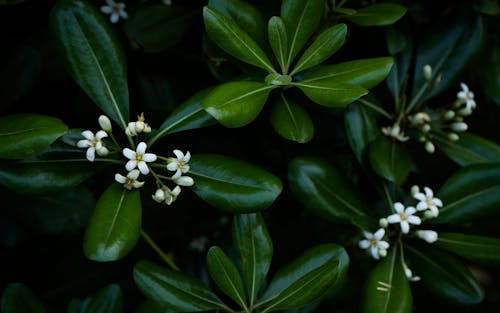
(24, 135)
(225, 275)
(301, 18)
(402, 59)
(236, 104)
(470, 149)
(490, 69)
(390, 159)
(115, 225)
(233, 185)
(366, 73)
(174, 290)
(107, 300)
(306, 279)
(378, 14)
(444, 275)
(255, 249)
(235, 41)
(361, 128)
(77, 306)
(470, 194)
(291, 121)
(387, 289)
(331, 94)
(279, 42)
(484, 250)
(17, 298)
(93, 55)
(323, 190)
(157, 27)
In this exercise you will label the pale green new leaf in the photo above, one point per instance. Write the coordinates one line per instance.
(278, 40)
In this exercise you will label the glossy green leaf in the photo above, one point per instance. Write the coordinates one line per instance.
(255, 249)
(226, 275)
(234, 40)
(233, 185)
(377, 14)
(157, 27)
(444, 275)
(331, 94)
(107, 300)
(306, 279)
(390, 159)
(174, 290)
(279, 41)
(490, 70)
(24, 135)
(484, 250)
(291, 121)
(17, 298)
(93, 55)
(470, 149)
(366, 73)
(323, 190)
(361, 128)
(471, 193)
(301, 18)
(115, 225)
(387, 290)
(402, 59)
(323, 47)
(236, 104)
(77, 306)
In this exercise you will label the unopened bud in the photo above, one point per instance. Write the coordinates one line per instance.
(426, 128)
(428, 235)
(464, 112)
(427, 70)
(184, 181)
(382, 253)
(105, 123)
(449, 115)
(414, 190)
(383, 222)
(459, 127)
(453, 137)
(429, 147)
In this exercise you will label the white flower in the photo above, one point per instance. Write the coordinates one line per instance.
(184, 181)
(166, 195)
(115, 9)
(377, 247)
(428, 235)
(105, 123)
(130, 181)
(139, 158)
(404, 217)
(395, 132)
(428, 201)
(180, 164)
(409, 274)
(134, 128)
(466, 96)
(93, 143)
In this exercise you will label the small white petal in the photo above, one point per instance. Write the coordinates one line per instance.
(101, 134)
(379, 234)
(384, 245)
(149, 157)
(88, 134)
(103, 151)
(394, 218)
(143, 167)
(84, 143)
(120, 178)
(129, 154)
(415, 220)
(137, 184)
(134, 174)
(90, 154)
(410, 210)
(428, 192)
(130, 165)
(364, 244)
(176, 191)
(187, 157)
(172, 166)
(177, 174)
(141, 147)
(399, 207)
(405, 227)
(419, 196)
(114, 18)
(421, 206)
(178, 153)
(106, 9)
(437, 202)
(374, 252)
(464, 87)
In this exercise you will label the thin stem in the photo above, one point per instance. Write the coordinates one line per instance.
(165, 256)
(375, 108)
(114, 141)
(417, 97)
(388, 197)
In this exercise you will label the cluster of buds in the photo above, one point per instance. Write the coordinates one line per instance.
(395, 132)
(421, 121)
(140, 126)
(453, 116)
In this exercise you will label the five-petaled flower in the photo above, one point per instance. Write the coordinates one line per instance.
(466, 96)
(166, 195)
(404, 217)
(374, 243)
(428, 202)
(130, 181)
(139, 158)
(93, 143)
(115, 9)
(180, 164)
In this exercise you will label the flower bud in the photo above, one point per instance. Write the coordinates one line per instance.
(102, 151)
(429, 147)
(459, 126)
(105, 123)
(453, 137)
(448, 115)
(426, 128)
(427, 71)
(428, 235)
(383, 222)
(464, 112)
(159, 196)
(184, 181)
(429, 214)
(414, 190)
(382, 253)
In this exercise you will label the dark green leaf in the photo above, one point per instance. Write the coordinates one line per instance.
(279, 42)
(444, 275)
(236, 104)
(323, 190)
(387, 289)
(93, 55)
(484, 250)
(233, 185)
(490, 69)
(331, 94)
(174, 290)
(402, 59)
(115, 225)
(225, 275)
(390, 160)
(25, 135)
(470, 149)
(255, 249)
(17, 298)
(291, 121)
(325, 45)
(377, 14)
(235, 41)
(107, 300)
(77, 306)
(361, 128)
(471, 193)
(306, 279)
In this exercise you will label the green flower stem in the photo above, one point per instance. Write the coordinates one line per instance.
(416, 100)
(388, 197)
(114, 141)
(376, 108)
(165, 256)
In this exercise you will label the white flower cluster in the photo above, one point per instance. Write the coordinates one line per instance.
(94, 143)
(116, 10)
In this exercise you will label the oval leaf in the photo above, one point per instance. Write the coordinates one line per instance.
(25, 135)
(469, 149)
(402, 59)
(17, 298)
(323, 190)
(484, 250)
(361, 128)
(225, 275)
(235, 41)
(255, 249)
(331, 94)
(291, 121)
(279, 42)
(174, 290)
(115, 225)
(236, 104)
(233, 185)
(490, 72)
(108, 300)
(378, 14)
(444, 275)
(390, 160)
(93, 55)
